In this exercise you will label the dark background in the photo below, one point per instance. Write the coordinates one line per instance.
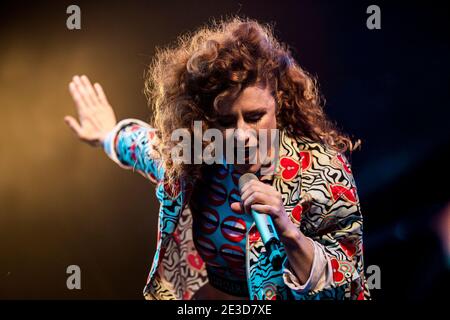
(63, 202)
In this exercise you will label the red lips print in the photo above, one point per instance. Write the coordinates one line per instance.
(289, 168)
(306, 160)
(195, 261)
(297, 213)
(218, 194)
(338, 276)
(235, 175)
(254, 234)
(233, 255)
(338, 190)
(341, 270)
(344, 162)
(221, 172)
(348, 248)
(206, 248)
(209, 220)
(233, 229)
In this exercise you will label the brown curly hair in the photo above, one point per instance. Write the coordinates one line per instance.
(191, 79)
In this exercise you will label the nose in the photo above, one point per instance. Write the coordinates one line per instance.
(242, 131)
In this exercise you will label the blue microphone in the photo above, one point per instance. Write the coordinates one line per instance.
(265, 227)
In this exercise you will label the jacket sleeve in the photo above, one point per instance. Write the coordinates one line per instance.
(130, 145)
(333, 221)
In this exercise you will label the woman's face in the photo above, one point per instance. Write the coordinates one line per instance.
(254, 109)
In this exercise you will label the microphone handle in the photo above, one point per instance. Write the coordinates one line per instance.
(269, 237)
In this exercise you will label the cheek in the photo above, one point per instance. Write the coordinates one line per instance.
(268, 122)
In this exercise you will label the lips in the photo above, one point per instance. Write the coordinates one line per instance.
(209, 220)
(235, 175)
(221, 172)
(218, 194)
(233, 229)
(233, 255)
(234, 196)
(206, 248)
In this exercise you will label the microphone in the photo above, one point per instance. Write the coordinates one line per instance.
(265, 227)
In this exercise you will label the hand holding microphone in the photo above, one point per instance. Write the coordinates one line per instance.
(266, 206)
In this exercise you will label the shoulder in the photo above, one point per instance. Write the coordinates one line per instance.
(326, 169)
(317, 156)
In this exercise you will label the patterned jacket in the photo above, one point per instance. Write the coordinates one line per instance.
(319, 195)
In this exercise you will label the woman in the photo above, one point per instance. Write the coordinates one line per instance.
(236, 75)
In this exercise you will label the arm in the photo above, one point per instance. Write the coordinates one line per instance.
(324, 255)
(129, 143)
(337, 269)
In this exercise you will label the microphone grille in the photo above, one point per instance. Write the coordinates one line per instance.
(246, 178)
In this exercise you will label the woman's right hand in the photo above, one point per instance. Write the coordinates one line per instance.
(95, 114)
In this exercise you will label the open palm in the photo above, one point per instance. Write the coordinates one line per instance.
(95, 115)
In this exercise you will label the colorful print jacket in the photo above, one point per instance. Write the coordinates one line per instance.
(319, 194)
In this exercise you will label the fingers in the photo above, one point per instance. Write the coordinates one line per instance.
(73, 124)
(237, 207)
(91, 95)
(263, 208)
(258, 186)
(257, 192)
(100, 93)
(82, 86)
(81, 91)
(79, 101)
(258, 197)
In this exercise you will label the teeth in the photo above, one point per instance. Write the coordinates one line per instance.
(233, 229)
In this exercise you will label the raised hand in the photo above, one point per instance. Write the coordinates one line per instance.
(95, 115)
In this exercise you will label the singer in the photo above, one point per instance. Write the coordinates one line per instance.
(234, 74)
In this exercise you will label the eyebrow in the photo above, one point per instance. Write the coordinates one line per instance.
(256, 111)
(249, 112)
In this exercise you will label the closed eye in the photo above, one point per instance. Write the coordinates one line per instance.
(254, 117)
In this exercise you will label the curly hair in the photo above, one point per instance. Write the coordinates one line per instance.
(190, 80)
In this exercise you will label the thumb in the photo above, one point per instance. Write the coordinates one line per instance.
(73, 124)
(237, 207)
